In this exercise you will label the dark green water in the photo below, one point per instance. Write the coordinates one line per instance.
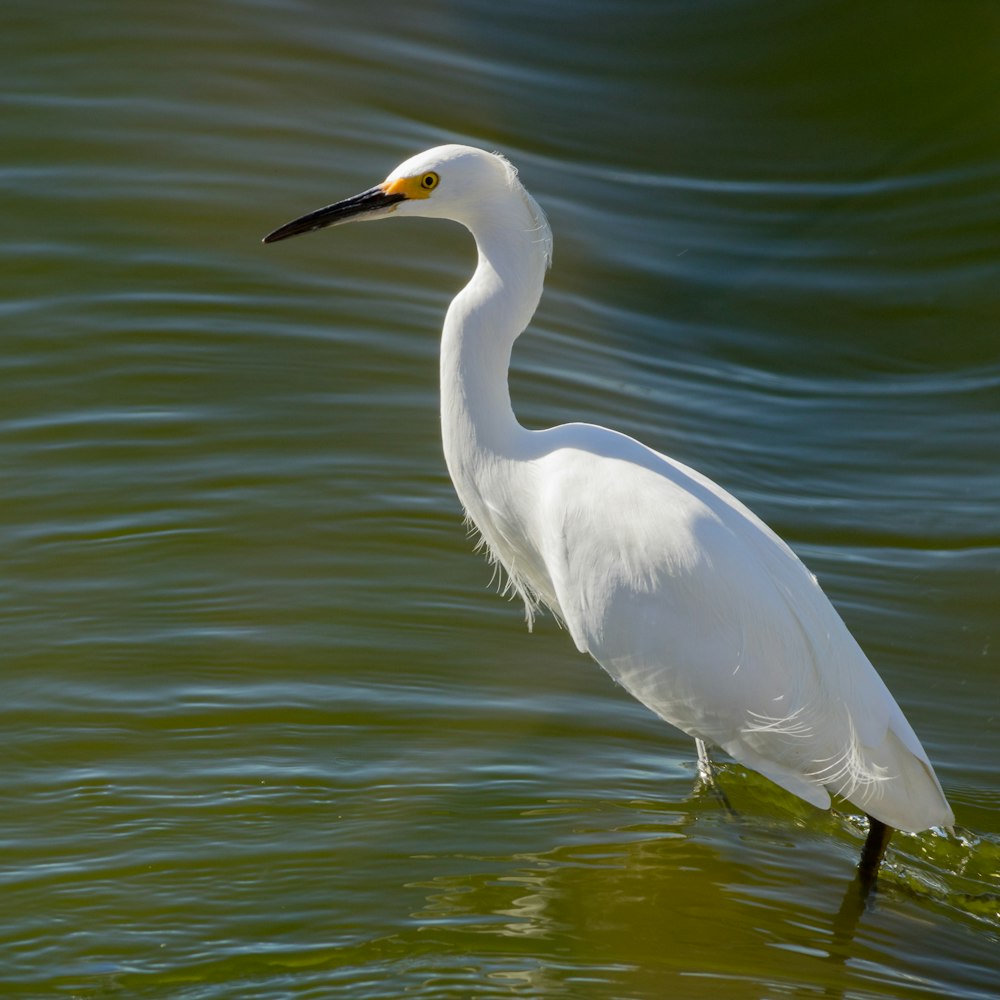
(268, 732)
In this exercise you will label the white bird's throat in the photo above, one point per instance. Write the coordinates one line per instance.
(486, 449)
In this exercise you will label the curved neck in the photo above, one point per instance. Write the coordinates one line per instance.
(477, 422)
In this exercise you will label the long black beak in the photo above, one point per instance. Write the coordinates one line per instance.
(372, 202)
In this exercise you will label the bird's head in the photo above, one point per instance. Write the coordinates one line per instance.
(450, 182)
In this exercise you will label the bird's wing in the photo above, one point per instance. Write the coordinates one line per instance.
(700, 611)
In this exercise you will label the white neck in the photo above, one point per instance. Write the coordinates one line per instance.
(478, 426)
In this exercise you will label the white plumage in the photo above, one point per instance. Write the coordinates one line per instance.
(685, 597)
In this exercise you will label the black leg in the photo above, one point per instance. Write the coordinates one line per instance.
(859, 892)
(871, 854)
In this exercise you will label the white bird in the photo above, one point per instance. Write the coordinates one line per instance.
(686, 598)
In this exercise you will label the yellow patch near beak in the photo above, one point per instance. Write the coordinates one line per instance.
(420, 186)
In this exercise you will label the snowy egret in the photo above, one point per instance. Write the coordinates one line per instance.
(686, 598)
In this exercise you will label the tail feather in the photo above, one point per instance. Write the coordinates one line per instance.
(910, 798)
(888, 781)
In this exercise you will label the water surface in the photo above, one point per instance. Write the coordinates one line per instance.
(269, 731)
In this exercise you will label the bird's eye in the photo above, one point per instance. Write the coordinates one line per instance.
(429, 181)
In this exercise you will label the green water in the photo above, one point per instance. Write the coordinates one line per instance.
(268, 730)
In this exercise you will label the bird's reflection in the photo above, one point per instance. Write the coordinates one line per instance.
(656, 894)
